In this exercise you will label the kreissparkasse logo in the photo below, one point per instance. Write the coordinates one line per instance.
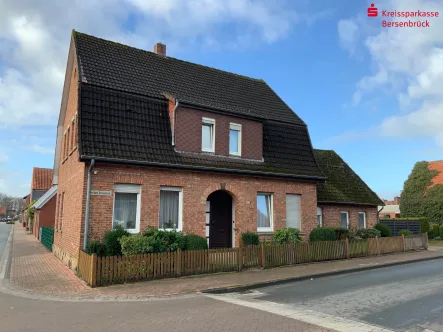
(372, 11)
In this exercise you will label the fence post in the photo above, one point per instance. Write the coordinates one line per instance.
(179, 262)
(348, 250)
(263, 262)
(378, 247)
(426, 240)
(404, 242)
(240, 258)
(93, 277)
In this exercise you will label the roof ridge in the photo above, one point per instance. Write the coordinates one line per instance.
(74, 32)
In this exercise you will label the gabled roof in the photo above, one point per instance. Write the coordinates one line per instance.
(342, 185)
(41, 178)
(115, 66)
(122, 127)
(45, 198)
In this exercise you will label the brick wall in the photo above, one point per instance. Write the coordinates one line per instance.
(45, 217)
(188, 133)
(68, 229)
(331, 214)
(196, 188)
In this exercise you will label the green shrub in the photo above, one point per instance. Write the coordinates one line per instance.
(438, 238)
(287, 235)
(162, 241)
(111, 241)
(441, 231)
(341, 233)
(250, 238)
(384, 230)
(434, 232)
(96, 247)
(405, 232)
(367, 233)
(195, 242)
(322, 234)
(136, 245)
(425, 225)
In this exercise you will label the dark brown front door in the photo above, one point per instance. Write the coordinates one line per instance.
(220, 220)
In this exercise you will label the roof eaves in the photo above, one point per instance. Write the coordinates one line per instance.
(45, 198)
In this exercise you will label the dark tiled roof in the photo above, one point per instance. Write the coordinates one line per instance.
(342, 185)
(120, 67)
(118, 125)
(41, 178)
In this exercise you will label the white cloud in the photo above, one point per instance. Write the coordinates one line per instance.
(40, 149)
(407, 61)
(3, 158)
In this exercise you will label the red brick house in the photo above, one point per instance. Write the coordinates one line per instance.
(2, 211)
(144, 140)
(44, 214)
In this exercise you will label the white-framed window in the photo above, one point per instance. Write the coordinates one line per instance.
(171, 208)
(319, 216)
(293, 211)
(127, 207)
(264, 212)
(361, 220)
(344, 218)
(235, 139)
(208, 135)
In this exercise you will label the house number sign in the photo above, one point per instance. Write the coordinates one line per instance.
(101, 193)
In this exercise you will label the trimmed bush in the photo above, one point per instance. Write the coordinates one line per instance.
(341, 233)
(368, 233)
(441, 231)
(96, 247)
(434, 232)
(136, 245)
(322, 234)
(250, 239)
(195, 242)
(111, 241)
(384, 230)
(287, 235)
(405, 232)
(425, 225)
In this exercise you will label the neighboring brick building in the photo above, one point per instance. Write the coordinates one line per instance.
(44, 215)
(175, 145)
(344, 199)
(2, 211)
(41, 182)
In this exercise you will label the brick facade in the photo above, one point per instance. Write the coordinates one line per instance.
(71, 191)
(45, 217)
(196, 188)
(188, 133)
(331, 214)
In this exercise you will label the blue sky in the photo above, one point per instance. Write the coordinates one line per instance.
(370, 93)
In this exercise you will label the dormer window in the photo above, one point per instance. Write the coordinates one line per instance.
(208, 135)
(235, 139)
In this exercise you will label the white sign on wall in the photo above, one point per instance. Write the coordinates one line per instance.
(101, 193)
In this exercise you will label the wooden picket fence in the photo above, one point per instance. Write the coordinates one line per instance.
(102, 271)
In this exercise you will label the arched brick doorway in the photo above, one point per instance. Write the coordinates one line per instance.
(219, 208)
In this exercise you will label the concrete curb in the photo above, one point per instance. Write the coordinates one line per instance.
(244, 288)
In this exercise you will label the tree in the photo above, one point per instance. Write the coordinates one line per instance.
(418, 199)
(11, 203)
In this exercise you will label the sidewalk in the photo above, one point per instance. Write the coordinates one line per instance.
(37, 271)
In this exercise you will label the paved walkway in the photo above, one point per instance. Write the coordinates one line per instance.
(37, 271)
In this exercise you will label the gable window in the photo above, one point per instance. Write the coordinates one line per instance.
(264, 212)
(344, 217)
(65, 148)
(127, 207)
(73, 142)
(235, 139)
(361, 220)
(68, 143)
(171, 207)
(208, 135)
(319, 216)
(293, 211)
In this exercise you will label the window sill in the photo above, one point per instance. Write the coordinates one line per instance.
(265, 231)
(170, 229)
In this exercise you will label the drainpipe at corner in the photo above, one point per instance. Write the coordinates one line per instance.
(88, 199)
(378, 214)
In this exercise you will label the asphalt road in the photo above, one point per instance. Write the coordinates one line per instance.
(4, 233)
(402, 298)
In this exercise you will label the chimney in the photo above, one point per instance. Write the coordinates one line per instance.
(396, 200)
(160, 49)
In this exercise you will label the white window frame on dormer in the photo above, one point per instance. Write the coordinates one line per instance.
(209, 122)
(235, 127)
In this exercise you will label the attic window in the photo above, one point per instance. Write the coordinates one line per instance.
(235, 139)
(208, 135)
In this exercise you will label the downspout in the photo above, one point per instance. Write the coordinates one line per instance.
(378, 214)
(88, 199)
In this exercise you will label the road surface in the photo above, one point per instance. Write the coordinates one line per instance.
(401, 298)
(4, 233)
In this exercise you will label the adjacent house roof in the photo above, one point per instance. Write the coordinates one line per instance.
(41, 178)
(45, 198)
(120, 67)
(343, 185)
(124, 113)
(393, 208)
(436, 166)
